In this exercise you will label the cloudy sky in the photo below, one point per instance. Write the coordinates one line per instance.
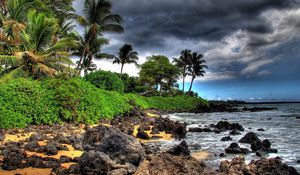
(252, 47)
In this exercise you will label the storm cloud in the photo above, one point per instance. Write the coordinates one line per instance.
(240, 39)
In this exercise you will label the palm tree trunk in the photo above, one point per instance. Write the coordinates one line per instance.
(122, 68)
(193, 78)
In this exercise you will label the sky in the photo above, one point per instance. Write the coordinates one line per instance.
(252, 47)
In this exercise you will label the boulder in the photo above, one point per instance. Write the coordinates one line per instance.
(142, 135)
(235, 167)
(167, 164)
(225, 126)
(250, 138)
(32, 146)
(174, 127)
(271, 166)
(264, 146)
(13, 159)
(261, 129)
(234, 132)
(96, 162)
(120, 147)
(259, 167)
(181, 149)
(234, 148)
(227, 138)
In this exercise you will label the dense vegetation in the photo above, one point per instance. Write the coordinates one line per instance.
(40, 84)
(25, 101)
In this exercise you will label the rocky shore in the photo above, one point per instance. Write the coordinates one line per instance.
(124, 146)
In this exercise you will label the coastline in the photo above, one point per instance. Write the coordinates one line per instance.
(127, 125)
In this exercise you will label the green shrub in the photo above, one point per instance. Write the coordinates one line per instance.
(80, 101)
(106, 80)
(24, 101)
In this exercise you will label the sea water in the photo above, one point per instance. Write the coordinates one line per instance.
(281, 127)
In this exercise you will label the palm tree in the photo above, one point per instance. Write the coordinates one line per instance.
(98, 18)
(38, 56)
(197, 67)
(183, 63)
(126, 56)
(92, 50)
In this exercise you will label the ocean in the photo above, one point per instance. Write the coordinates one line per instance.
(281, 127)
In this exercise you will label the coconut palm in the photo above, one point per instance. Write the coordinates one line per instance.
(197, 67)
(92, 50)
(98, 17)
(183, 63)
(38, 56)
(126, 56)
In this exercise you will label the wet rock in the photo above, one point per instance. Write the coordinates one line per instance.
(222, 155)
(235, 167)
(74, 169)
(32, 146)
(200, 130)
(60, 138)
(65, 159)
(36, 137)
(142, 135)
(150, 148)
(96, 162)
(260, 129)
(227, 138)
(174, 127)
(250, 138)
(225, 126)
(13, 159)
(264, 146)
(120, 147)
(167, 164)
(181, 149)
(234, 132)
(234, 148)
(271, 166)
(51, 149)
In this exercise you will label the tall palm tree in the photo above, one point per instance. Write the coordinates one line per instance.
(92, 50)
(197, 67)
(126, 56)
(183, 63)
(38, 56)
(98, 17)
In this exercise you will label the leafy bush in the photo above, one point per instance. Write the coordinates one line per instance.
(24, 101)
(132, 84)
(184, 103)
(80, 101)
(106, 80)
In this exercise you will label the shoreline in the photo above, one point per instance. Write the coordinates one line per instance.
(146, 117)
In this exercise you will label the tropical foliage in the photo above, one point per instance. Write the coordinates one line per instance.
(98, 18)
(157, 71)
(126, 56)
(106, 80)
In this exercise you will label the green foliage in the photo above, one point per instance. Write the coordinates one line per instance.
(181, 103)
(132, 84)
(106, 80)
(158, 70)
(80, 101)
(24, 101)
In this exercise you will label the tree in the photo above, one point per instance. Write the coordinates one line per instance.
(126, 56)
(98, 18)
(197, 67)
(158, 70)
(92, 50)
(37, 55)
(183, 63)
